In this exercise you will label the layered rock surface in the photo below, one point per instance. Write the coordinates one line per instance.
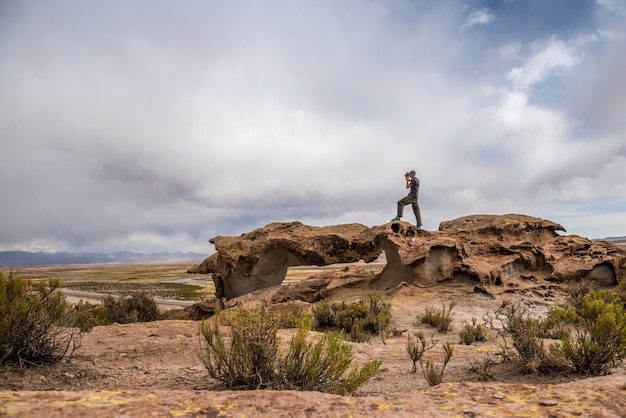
(484, 250)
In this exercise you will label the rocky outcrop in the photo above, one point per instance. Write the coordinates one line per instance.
(260, 258)
(487, 251)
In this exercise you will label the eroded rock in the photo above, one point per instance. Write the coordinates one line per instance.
(260, 258)
(486, 251)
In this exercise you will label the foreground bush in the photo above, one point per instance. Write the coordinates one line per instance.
(599, 343)
(35, 322)
(589, 340)
(249, 357)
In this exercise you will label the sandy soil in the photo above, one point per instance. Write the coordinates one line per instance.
(151, 369)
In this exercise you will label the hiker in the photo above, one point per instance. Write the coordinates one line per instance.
(412, 183)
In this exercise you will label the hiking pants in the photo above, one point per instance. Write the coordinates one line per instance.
(410, 200)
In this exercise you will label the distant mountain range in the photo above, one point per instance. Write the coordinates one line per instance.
(614, 239)
(25, 258)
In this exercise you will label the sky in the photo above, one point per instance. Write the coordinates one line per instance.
(153, 125)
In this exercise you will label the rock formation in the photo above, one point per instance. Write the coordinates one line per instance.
(260, 258)
(487, 251)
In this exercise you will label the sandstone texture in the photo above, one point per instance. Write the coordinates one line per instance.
(493, 252)
(260, 259)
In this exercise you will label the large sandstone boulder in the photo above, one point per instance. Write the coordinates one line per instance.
(260, 258)
(491, 250)
(487, 251)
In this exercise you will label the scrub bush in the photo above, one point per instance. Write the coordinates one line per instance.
(358, 321)
(249, 357)
(36, 326)
(434, 375)
(139, 307)
(440, 319)
(599, 342)
(417, 347)
(588, 340)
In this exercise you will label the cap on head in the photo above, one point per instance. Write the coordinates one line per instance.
(412, 172)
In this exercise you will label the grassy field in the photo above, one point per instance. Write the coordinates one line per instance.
(162, 281)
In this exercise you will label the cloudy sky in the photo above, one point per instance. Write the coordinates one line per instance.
(155, 125)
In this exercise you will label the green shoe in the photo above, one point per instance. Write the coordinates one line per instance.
(397, 218)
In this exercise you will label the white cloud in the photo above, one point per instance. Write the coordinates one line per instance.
(548, 59)
(478, 17)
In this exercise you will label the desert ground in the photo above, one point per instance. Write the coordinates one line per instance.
(151, 369)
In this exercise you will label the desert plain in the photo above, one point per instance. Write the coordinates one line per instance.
(151, 369)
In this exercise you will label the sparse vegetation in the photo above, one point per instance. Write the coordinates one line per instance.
(434, 375)
(599, 343)
(578, 289)
(359, 321)
(483, 368)
(593, 343)
(439, 318)
(140, 307)
(137, 308)
(249, 357)
(36, 326)
(416, 347)
(472, 333)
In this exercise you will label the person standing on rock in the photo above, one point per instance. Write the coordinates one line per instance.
(412, 183)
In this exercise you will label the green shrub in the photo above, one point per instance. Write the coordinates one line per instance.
(599, 343)
(592, 343)
(290, 317)
(35, 322)
(249, 357)
(324, 315)
(359, 321)
(440, 319)
(526, 334)
(139, 307)
(578, 289)
(471, 333)
(87, 316)
(321, 365)
(417, 347)
(434, 375)
(620, 289)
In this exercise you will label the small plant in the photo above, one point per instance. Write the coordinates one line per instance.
(600, 342)
(620, 289)
(322, 365)
(36, 326)
(359, 321)
(290, 318)
(417, 347)
(482, 368)
(139, 307)
(249, 357)
(471, 333)
(87, 316)
(578, 289)
(526, 336)
(440, 319)
(433, 375)
(324, 315)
